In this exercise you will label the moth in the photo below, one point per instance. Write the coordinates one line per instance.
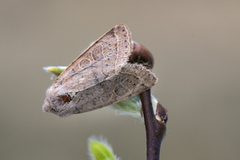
(102, 75)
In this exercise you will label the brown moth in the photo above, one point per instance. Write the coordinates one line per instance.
(100, 76)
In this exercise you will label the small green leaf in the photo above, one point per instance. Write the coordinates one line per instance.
(132, 107)
(57, 70)
(99, 149)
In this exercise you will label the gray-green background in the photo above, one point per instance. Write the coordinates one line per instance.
(196, 46)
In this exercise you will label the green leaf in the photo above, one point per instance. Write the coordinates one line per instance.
(132, 107)
(57, 70)
(99, 149)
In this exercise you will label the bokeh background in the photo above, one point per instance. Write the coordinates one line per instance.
(196, 46)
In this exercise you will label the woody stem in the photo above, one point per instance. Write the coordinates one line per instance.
(155, 129)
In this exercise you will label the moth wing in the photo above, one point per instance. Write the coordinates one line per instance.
(103, 59)
(133, 79)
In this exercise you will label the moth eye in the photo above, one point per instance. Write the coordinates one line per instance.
(65, 98)
(61, 100)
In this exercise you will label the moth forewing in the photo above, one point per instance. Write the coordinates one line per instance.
(100, 76)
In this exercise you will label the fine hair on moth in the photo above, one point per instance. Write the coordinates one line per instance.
(102, 75)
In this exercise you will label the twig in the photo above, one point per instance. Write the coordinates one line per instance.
(155, 124)
(155, 127)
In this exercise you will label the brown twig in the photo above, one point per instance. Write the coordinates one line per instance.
(155, 125)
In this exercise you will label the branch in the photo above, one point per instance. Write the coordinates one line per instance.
(155, 125)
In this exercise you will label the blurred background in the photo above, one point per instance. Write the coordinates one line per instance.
(196, 46)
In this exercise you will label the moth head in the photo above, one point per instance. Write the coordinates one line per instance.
(57, 105)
